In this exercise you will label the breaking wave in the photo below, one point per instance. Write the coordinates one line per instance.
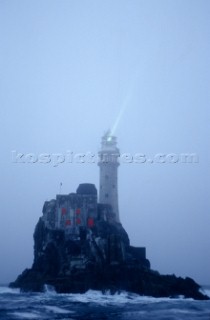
(94, 305)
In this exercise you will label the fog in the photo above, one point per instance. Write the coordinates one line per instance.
(72, 69)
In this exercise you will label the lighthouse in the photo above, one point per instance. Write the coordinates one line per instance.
(108, 164)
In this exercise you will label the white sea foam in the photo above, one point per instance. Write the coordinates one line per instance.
(49, 289)
(92, 296)
(57, 310)
(5, 289)
(205, 291)
(25, 315)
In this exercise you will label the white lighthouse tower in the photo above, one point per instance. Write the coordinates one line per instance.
(108, 163)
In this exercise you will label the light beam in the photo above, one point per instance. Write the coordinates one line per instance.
(119, 117)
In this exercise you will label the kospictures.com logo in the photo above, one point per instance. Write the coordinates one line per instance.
(56, 159)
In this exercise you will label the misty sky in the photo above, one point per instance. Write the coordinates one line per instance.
(67, 68)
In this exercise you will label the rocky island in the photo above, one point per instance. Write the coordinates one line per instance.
(80, 244)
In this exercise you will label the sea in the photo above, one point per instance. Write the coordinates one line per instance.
(93, 305)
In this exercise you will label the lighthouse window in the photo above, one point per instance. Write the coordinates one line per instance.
(113, 186)
(106, 176)
(106, 195)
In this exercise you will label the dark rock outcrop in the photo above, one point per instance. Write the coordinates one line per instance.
(100, 258)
